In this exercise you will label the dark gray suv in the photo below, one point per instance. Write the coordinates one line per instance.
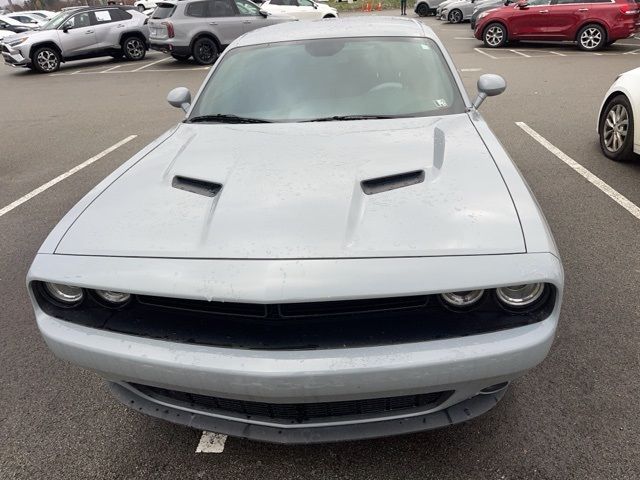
(203, 28)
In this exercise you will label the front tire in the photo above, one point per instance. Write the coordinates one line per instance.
(455, 16)
(205, 51)
(616, 129)
(134, 49)
(591, 38)
(494, 35)
(46, 60)
(422, 10)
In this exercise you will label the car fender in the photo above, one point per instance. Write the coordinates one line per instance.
(133, 32)
(205, 33)
(42, 43)
(626, 84)
(591, 21)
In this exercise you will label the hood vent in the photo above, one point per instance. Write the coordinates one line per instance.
(193, 185)
(391, 182)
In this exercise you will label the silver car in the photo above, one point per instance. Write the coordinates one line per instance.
(77, 34)
(322, 261)
(458, 11)
(426, 7)
(203, 28)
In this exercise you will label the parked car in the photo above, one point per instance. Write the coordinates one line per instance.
(86, 32)
(426, 7)
(143, 5)
(459, 11)
(592, 25)
(28, 19)
(322, 262)
(484, 5)
(203, 28)
(442, 6)
(619, 138)
(12, 25)
(5, 33)
(300, 9)
(44, 14)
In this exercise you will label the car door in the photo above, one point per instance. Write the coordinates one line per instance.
(284, 7)
(223, 17)
(307, 10)
(564, 16)
(77, 35)
(105, 23)
(529, 20)
(251, 16)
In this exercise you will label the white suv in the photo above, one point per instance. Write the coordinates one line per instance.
(76, 34)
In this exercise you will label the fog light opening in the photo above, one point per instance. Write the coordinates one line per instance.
(494, 388)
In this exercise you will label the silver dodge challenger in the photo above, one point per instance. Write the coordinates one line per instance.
(345, 251)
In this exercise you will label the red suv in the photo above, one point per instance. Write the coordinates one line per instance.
(593, 24)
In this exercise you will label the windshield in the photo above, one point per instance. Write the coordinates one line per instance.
(321, 79)
(10, 20)
(56, 21)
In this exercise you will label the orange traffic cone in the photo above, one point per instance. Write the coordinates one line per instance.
(379, 7)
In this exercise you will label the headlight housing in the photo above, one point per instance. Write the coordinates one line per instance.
(464, 299)
(15, 43)
(482, 15)
(113, 299)
(63, 295)
(520, 296)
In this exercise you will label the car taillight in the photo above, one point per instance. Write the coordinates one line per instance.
(629, 9)
(170, 31)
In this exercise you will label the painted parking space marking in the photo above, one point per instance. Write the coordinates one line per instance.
(110, 69)
(464, 38)
(632, 52)
(470, 69)
(66, 174)
(616, 196)
(150, 64)
(557, 53)
(485, 53)
(211, 443)
(520, 53)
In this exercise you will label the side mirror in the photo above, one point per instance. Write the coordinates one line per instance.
(180, 98)
(489, 85)
(523, 4)
(66, 27)
(264, 13)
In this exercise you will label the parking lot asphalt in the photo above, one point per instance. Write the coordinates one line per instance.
(576, 416)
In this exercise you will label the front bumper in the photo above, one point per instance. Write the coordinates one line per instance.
(14, 56)
(464, 365)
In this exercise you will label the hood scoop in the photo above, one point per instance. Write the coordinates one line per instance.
(194, 185)
(391, 182)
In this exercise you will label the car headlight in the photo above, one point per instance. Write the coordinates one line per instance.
(65, 295)
(482, 15)
(463, 299)
(17, 42)
(115, 299)
(520, 296)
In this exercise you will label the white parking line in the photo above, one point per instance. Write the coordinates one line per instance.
(152, 63)
(520, 53)
(66, 174)
(485, 53)
(557, 53)
(470, 69)
(464, 38)
(211, 443)
(110, 69)
(616, 196)
(632, 52)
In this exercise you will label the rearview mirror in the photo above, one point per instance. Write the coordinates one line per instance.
(489, 85)
(180, 98)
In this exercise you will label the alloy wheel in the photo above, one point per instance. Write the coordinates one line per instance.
(47, 60)
(494, 36)
(591, 38)
(455, 16)
(205, 52)
(616, 127)
(135, 48)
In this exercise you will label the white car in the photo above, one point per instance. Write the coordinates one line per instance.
(13, 25)
(43, 14)
(619, 139)
(28, 19)
(5, 33)
(143, 5)
(300, 9)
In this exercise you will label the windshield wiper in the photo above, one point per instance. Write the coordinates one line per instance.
(226, 118)
(342, 118)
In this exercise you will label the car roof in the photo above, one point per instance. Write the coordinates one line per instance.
(337, 28)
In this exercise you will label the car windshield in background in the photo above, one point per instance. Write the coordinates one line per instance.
(163, 10)
(331, 79)
(56, 21)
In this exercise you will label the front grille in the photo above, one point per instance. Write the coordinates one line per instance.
(297, 326)
(298, 412)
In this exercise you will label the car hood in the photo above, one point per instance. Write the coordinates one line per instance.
(294, 191)
(31, 34)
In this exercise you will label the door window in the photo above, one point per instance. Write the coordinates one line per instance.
(196, 9)
(537, 3)
(78, 21)
(247, 8)
(221, 8)
(305, 3)
(102, 16)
